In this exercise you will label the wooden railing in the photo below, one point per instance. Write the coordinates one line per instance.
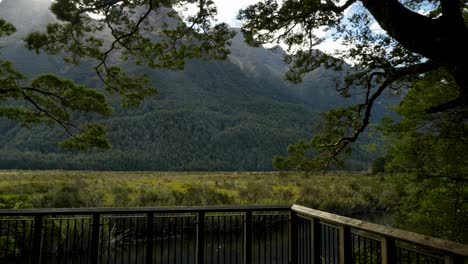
(363, 242)
(216, 234)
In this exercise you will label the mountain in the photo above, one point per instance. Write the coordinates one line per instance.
(215, 115)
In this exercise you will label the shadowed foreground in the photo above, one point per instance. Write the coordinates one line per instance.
(226, 234)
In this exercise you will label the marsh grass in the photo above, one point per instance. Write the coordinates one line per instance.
(338, 192)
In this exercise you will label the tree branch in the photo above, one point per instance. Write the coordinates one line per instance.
(391, 75)
(330, 6)
(5, 91)
(119, 40)
(64, 125)
(451, 11)
(445, 106)
(415, 69)
(44, 92)
(440, 40)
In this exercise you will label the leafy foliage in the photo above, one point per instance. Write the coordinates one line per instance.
(394, 49)
(429, 144)
(385, 60)
(127, 30)
(436, 207)
(52, 100)
(6, 28)
(431, 149)
(143, 32)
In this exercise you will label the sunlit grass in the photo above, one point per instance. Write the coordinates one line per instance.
(340, 192)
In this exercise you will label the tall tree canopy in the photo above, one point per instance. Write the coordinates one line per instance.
(417, 37)
(415, 49)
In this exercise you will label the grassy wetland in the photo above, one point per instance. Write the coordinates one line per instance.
(339, 192)
(413, 205)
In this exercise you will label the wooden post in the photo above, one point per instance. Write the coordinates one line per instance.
(95, 238)
(248, 236)
(294, 238)
(345, 245)
(201, 238)
(37, 240)
(149, 237)
(388, 250)
(316, 242)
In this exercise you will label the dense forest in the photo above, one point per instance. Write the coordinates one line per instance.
(214, 115)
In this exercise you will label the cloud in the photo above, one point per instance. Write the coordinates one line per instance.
(228, 10)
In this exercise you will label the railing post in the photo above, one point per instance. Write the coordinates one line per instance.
(345, 245)
(294, 237)
(95, 238)
(388, 250)
(248, 236)
(316, 242)
(201, 238)
(149, 237)
(37, 240)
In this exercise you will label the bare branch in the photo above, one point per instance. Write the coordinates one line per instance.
(50, 94)
(415, 69)
(64, 125)
(330, 6)
(446, 106)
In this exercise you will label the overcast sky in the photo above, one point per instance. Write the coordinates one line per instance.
(228, 10)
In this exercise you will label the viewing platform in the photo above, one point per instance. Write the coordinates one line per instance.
(211, 235)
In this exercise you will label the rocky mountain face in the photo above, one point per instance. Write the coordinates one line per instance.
(215, 115)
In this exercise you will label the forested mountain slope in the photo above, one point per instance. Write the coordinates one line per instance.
(215, 115)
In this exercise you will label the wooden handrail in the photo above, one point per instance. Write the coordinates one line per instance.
(141, 210)
(385, 231)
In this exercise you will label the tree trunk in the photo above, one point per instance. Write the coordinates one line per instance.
(443, 40)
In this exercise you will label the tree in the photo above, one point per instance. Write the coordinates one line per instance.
(429, 151)
(51, 100)
(423, 58)
(410, 46)
(142, 32)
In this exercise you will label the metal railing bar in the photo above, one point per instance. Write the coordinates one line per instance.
(7, 238)
(230, 239)
(181, 238)
(422, 252)
(211, 237)
(224, 239)
(160, 231)
(366, 235)
(66, 239)
(23, 238)
(14, 237)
